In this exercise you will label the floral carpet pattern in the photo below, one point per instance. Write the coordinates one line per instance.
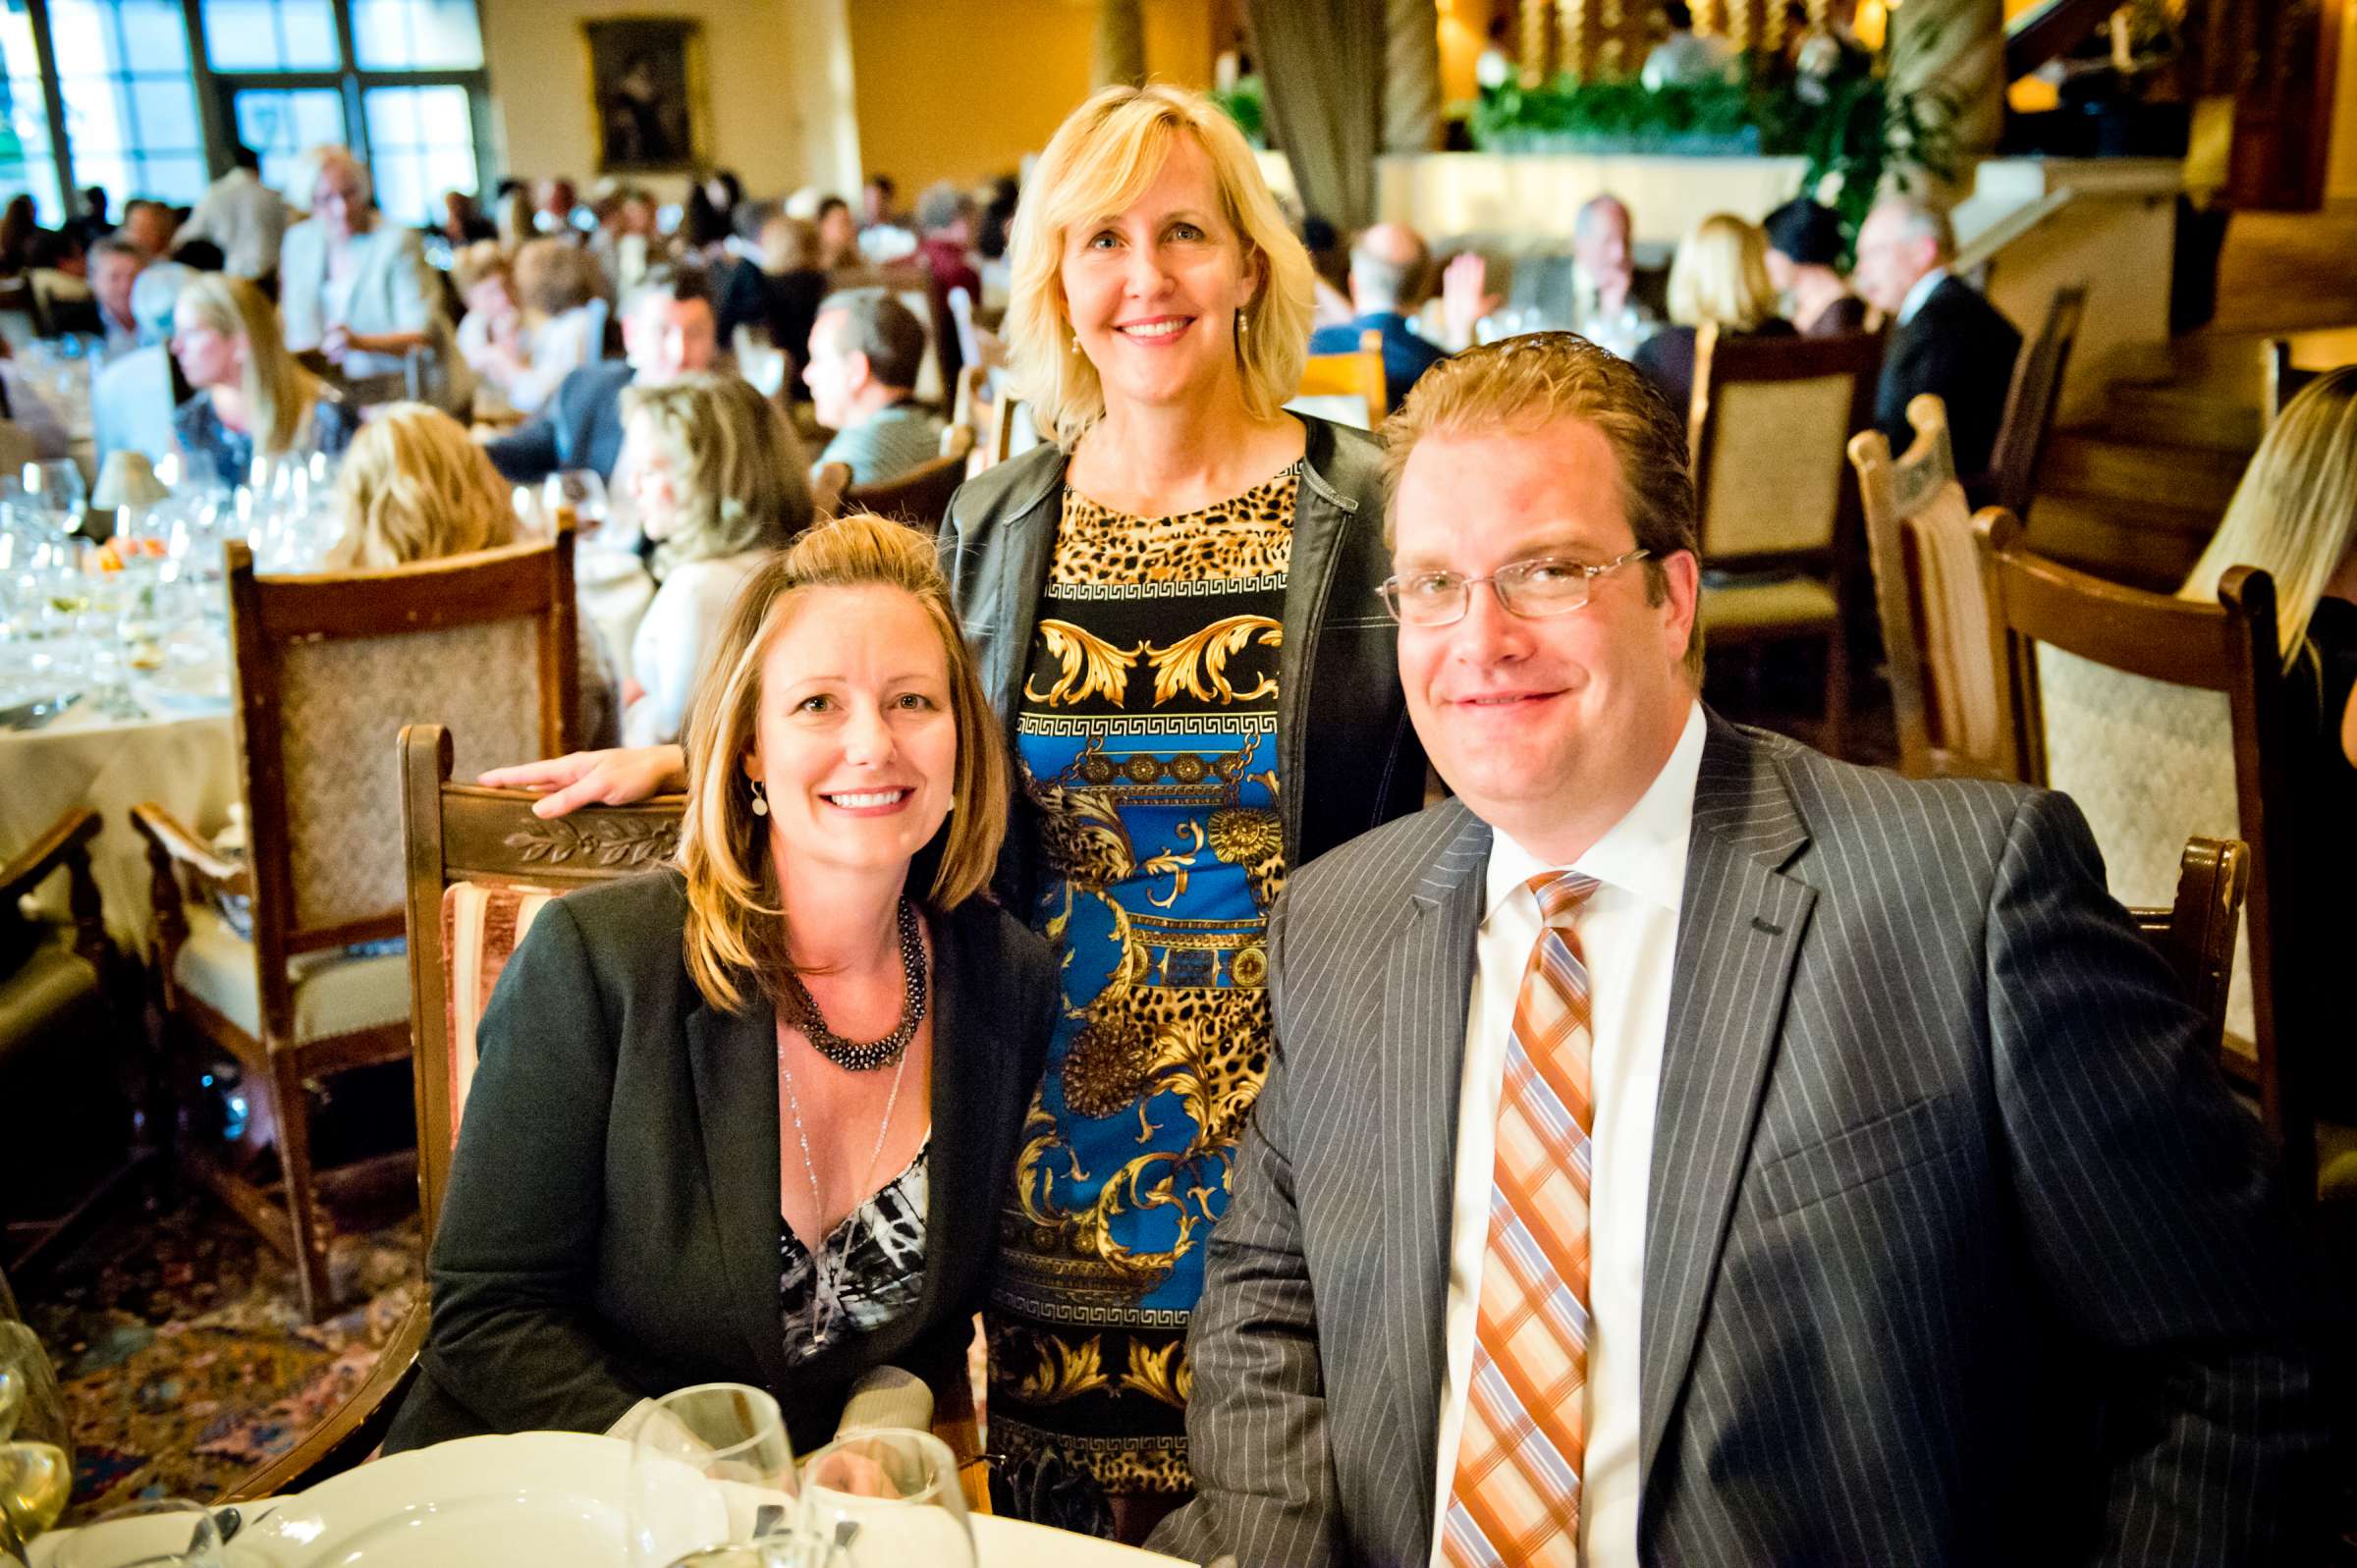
(184, 1359)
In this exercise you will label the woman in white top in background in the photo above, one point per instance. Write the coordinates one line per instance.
(718, 480)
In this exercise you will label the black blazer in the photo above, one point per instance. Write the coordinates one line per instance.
(580, 428)
(1960, 347)
(612, 1226)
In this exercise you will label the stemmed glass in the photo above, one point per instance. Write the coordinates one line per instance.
(54, 490)
(580, 489)
(711, 1477)
(166, 1533)
(885, 1498)
(36, 1463)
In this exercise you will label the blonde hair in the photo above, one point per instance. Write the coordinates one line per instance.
(1721, 275)
(737, 474)
(788, 244)
(1100, 160)
(279, 392)
(735, 915)
(478, 262)
(2294, 516)
(414, 487)
(1524, 384)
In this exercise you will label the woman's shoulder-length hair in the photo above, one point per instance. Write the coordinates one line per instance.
(735, 930)
(1099, 161)
(739, 479)
(1720, 274)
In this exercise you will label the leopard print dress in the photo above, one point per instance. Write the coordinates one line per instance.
(1147, 742)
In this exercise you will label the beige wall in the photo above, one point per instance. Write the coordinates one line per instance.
(961, 89)
(776, 87)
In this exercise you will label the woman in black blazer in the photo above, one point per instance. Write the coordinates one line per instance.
(685, 1159)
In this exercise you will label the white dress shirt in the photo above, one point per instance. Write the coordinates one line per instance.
(1628, 934)
(1919, 294)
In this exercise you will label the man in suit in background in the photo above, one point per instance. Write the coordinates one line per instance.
(1388, 265)
(1946, 338)
(1683, 1148)
(669, 328)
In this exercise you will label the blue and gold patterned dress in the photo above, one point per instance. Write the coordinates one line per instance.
(1147, 739)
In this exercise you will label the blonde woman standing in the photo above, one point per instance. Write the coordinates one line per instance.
(1720, 277)
(719, 483)
(416, 487)
(251, 399)
(1172, 606)
(746, 1119)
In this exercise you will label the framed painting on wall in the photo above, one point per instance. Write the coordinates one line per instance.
(646, 94)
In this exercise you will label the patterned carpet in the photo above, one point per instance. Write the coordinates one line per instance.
(183, 1357)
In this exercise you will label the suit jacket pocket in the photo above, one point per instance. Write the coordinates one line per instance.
(1856, 1156)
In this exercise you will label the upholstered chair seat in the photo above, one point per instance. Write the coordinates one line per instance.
(334, 992)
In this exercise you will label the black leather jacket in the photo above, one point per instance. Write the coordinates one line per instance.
(1348, 759)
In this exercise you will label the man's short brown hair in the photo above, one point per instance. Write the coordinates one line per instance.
(1527, 383)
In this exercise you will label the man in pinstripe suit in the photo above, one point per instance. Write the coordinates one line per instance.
(1910, 1222)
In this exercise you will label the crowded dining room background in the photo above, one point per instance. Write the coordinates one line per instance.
(1252, 782)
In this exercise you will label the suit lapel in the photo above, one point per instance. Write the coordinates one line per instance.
(1739, 933)
(733, 1057)
(1428, 980)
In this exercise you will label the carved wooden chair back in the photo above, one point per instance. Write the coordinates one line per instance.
(1926, 594)
(480, 867)
(1347, 388)
(2196, 931)
(2030, 403)
(2163, 718)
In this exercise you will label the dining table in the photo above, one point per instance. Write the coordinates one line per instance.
(519, 1500)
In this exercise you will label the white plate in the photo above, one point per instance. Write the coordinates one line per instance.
(542, 1497)
(185, 689)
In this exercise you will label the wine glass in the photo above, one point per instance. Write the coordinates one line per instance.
(165, 1532)
(710, 1469)
(54, 488)
(885, 1498)
(580, 489)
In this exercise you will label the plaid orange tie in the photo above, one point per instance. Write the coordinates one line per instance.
(1516, 1495)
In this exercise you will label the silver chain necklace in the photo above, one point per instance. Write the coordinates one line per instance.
(822, 1259)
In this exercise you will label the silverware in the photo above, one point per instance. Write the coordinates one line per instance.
(38, 712)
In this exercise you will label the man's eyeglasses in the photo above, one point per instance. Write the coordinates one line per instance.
(1533, 589)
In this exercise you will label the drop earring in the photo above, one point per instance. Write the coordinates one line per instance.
(760, 800)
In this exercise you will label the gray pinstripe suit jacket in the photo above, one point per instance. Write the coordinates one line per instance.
(1958, 1251)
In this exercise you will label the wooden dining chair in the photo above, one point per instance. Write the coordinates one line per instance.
(2197, 930)
(1769, 423)
(1926, 594)
(1338, 386)
(920, 497)
(2031, 400)
(276, 958)
(2165, 718)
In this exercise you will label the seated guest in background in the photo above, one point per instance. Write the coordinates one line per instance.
(1605, 276)
(788, 288)
(19, 227)
(717, 479)
(858, 1066)
(667, 332)
(839, 239)
(413, 486)
(360, 290)
(490, 335)
(251, 399)
(92, 224)
(151, 226)
(864, 352)
(132, 396)
(115, 268)
(627, 243)
(2294, 516)
(944, 217)
(1945, 337)
(1804, 250)
(23, 404)
(1720, 278)
(554, 327)
(244, 217)
(1684, 1148)
(553, 205)
(512, 216)
(462, 222)
(1388, 267)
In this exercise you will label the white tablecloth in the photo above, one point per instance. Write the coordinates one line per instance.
(186, 763)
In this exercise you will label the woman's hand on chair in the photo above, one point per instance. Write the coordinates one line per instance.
(613, 778)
